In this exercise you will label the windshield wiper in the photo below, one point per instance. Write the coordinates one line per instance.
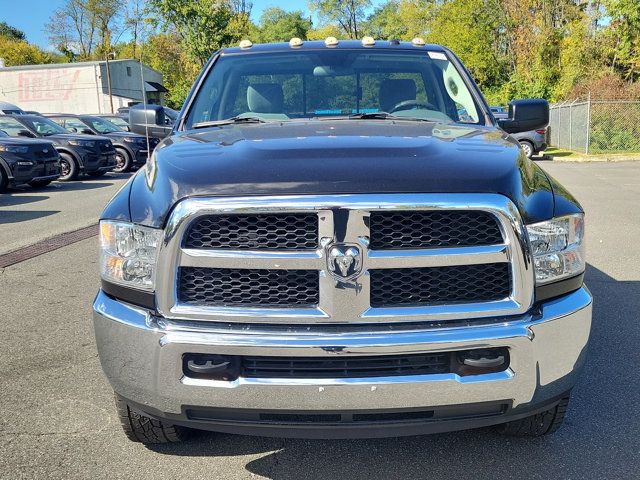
(373, 115)
(387, 116)
(228, 121)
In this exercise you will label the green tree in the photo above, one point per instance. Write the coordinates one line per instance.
(623, 37)
(8, 31)
(107, 16)
(19, 52)
(203, 26)
(385, 22)
(348, 14)
(278, 25)
(469, 28)
(164, 52)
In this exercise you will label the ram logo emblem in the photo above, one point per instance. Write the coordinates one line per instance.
(344, 261)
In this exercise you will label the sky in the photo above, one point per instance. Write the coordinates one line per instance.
(31, 16)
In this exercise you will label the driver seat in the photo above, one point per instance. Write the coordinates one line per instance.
(394, 91)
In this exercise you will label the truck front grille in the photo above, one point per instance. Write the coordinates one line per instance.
(280, 260)
(439, 285)
(253, 232)
(251, 287)
(433, 229)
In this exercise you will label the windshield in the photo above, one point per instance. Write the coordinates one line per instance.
(40, 125)
(13, 127)
(118, 122)
(332, 83)
(101, 125)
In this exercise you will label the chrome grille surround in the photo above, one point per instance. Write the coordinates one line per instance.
(348, 301)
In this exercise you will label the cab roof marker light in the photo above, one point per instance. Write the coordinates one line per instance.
(331, 41)
(295, 42)
(368, 41)
(418, 42)
(246, 44)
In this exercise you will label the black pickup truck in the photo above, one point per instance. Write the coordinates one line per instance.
(323, 248)
(88, 154)
(23, 161)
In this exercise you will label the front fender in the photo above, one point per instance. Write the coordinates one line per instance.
(5, 167)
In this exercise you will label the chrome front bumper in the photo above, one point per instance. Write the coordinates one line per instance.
(142, 357)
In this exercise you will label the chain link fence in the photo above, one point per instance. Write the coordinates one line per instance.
(596, 126)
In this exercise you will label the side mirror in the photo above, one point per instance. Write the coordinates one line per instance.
(525, 115)
(150, 119)
(25, 133)
(87, 131)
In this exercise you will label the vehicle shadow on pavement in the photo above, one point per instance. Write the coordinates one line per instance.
(18, 216)
(598, 440)
(8, 199)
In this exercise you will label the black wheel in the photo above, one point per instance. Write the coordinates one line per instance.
(4, 181)
(123, 161)
(69, 168)
(543, 423)
(97, 174)
(140, 428)
(527, 146)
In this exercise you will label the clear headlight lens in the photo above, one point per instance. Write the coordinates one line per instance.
(129, 254)
(83, 143)
(558, 248)
(13, 149)
(138, 140)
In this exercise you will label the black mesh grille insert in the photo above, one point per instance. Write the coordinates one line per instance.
(251, 287)
(433, 228)
(295, 231)
(352, 367)
(439, 285)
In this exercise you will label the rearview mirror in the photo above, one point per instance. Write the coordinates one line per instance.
(149, 120)
(525, 115)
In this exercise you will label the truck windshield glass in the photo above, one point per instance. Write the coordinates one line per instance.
(334, 83)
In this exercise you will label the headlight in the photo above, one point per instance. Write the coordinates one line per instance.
(128, 254)
(83, 143)
(138, 140)
(558, 248)
(13, 149)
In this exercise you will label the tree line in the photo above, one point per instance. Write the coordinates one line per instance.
(556, 49)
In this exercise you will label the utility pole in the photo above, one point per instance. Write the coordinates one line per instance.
(109, 78)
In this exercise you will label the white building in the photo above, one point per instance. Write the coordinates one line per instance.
(79, 87)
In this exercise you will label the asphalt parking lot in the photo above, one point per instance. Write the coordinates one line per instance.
(58, 419)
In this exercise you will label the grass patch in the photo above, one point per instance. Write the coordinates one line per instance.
(559, 152)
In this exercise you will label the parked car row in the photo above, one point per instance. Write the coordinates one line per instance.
(37, 149)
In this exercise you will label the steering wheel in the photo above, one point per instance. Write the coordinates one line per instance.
(411, 105)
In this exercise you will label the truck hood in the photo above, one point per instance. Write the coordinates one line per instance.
(336, 157)
(25, 142)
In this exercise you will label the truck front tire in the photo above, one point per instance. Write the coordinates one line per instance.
(140, 428)
(538, 425)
